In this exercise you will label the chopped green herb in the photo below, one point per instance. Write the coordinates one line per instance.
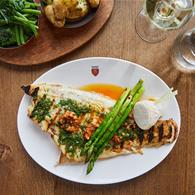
(73, 106)
(125, 134)
(109, 145)
(41, 109)
(73, 141)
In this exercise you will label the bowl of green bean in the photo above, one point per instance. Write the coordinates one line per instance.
(19, 21)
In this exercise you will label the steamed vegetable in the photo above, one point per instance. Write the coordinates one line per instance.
(18, 21)
(99, 145)
(107, 121)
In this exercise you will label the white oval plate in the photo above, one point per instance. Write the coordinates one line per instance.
(96, 70)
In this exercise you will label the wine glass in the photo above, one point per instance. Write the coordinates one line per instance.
(159, 16)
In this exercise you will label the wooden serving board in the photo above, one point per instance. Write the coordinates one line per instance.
(54, 42)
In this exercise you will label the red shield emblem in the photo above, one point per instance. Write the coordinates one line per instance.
(95, 70)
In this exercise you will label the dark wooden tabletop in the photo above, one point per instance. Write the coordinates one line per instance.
(19, 174)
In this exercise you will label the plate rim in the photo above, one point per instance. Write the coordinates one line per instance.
(73, 179)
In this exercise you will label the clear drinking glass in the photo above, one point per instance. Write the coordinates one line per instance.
(183, 52)
(159, 16)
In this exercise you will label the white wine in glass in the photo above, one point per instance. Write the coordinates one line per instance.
(159, 16)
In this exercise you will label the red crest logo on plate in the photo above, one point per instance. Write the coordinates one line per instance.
(95, 70)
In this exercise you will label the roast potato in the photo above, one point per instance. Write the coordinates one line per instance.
(58, 11)
(77, 9)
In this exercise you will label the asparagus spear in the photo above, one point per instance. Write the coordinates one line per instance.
(127, 101)
(21, 33)
(27, 23)
(108, 119)
(17, 34)
(113, 128)
(32, 5)
(31, 11)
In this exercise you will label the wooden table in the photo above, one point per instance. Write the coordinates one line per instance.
(19, 174)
